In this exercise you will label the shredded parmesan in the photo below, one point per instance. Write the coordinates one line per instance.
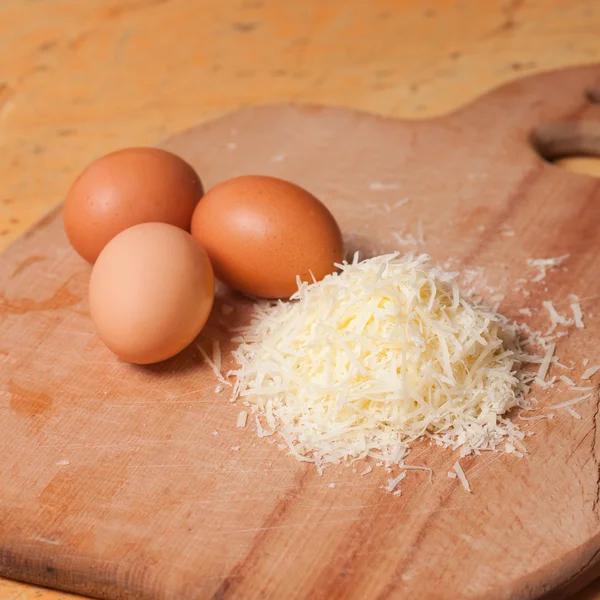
(571, 402)
(556, 318)
(534, 418)
(376, 356)
(577, 312)
(215, 361)
(377, 186)
(393, 482)
(545, 264)
(590, 372)
(242, 419)
(545, 365)
(462, 476)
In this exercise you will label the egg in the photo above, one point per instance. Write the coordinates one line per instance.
(261, 232)
(125, 188)
(151, 291)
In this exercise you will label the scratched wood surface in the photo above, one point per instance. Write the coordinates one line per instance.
(128, 482)
(392, 57)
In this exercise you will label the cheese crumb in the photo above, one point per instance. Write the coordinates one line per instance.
(462, 476)
(577, 312)
(555, 317)
(393, 482)
(589, 373)
(376, 186)
(571, 402)
(242, 419)
(545, 264)
(545, 365)
(215, 361)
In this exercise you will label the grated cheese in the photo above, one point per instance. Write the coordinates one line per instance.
(556, 318)
(372, 358)
(545, 365)
(462, 476)
(544, 265)
(590, 372)
(242, 419)
(394, 481)
(574, 413)
(534, 418)
(215, 362)
(571, 402)
(577, 312)
(377, 186)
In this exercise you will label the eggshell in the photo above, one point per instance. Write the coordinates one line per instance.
(125, 188)
(261, 232)
(151, 291)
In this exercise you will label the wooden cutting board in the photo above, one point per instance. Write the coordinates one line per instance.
(119, 481)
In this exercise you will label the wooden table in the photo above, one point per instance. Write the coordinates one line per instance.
(78, 79)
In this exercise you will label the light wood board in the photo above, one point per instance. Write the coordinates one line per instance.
(113, 483)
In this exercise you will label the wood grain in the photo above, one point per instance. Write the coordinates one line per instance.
(114, 483)
(413, 60)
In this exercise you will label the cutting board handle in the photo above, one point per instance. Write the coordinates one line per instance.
(558, 112)
(567, 138)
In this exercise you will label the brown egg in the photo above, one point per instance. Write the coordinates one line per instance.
(124, 188)
(261, 232)
(151, 291)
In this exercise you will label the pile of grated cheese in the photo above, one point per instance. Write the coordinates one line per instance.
(374, 357)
